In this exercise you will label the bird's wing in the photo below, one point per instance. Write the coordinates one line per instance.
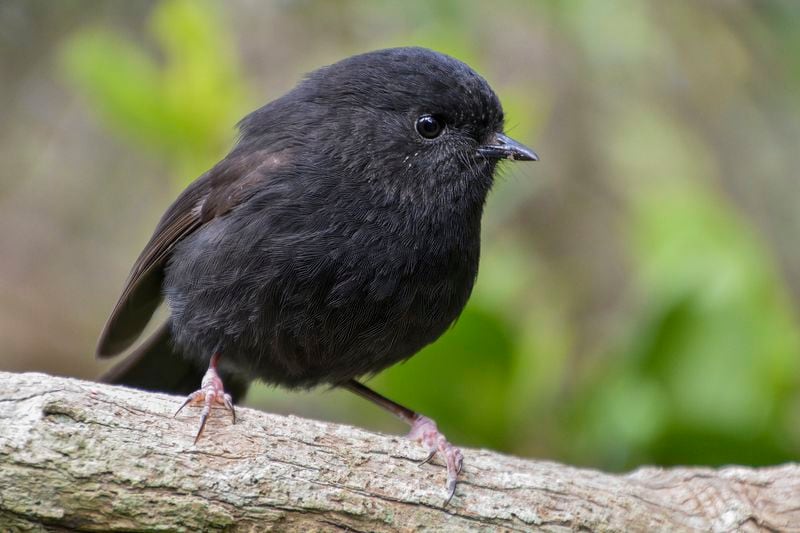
(213, 194)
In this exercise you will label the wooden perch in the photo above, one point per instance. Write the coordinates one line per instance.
(82, 456)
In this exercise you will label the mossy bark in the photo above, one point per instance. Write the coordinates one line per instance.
(83, 456)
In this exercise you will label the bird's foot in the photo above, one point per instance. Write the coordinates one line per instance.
(211, 391)
(424, 430)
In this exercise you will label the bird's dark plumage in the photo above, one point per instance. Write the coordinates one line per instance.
(338, 237)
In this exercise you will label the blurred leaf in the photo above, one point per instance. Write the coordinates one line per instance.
(182, 107)
(120, 80)
(713, 358)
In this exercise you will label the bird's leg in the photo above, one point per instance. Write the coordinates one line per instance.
(211, 391)
(423, 430)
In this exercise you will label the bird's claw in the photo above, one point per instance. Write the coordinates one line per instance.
(424, 430)
(427, 459)
(211, 391)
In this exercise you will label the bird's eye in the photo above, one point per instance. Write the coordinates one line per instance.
(429, 126)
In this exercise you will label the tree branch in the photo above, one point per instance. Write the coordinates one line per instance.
(92, 457)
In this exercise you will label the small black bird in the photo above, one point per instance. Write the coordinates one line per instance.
(338, 237)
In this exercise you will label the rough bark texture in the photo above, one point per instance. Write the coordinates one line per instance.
(82, 456)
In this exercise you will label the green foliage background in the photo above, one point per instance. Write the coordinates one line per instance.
(637, 301)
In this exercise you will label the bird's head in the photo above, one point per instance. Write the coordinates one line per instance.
(409, 119)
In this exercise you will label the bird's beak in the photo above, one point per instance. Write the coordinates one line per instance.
(503, 147)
